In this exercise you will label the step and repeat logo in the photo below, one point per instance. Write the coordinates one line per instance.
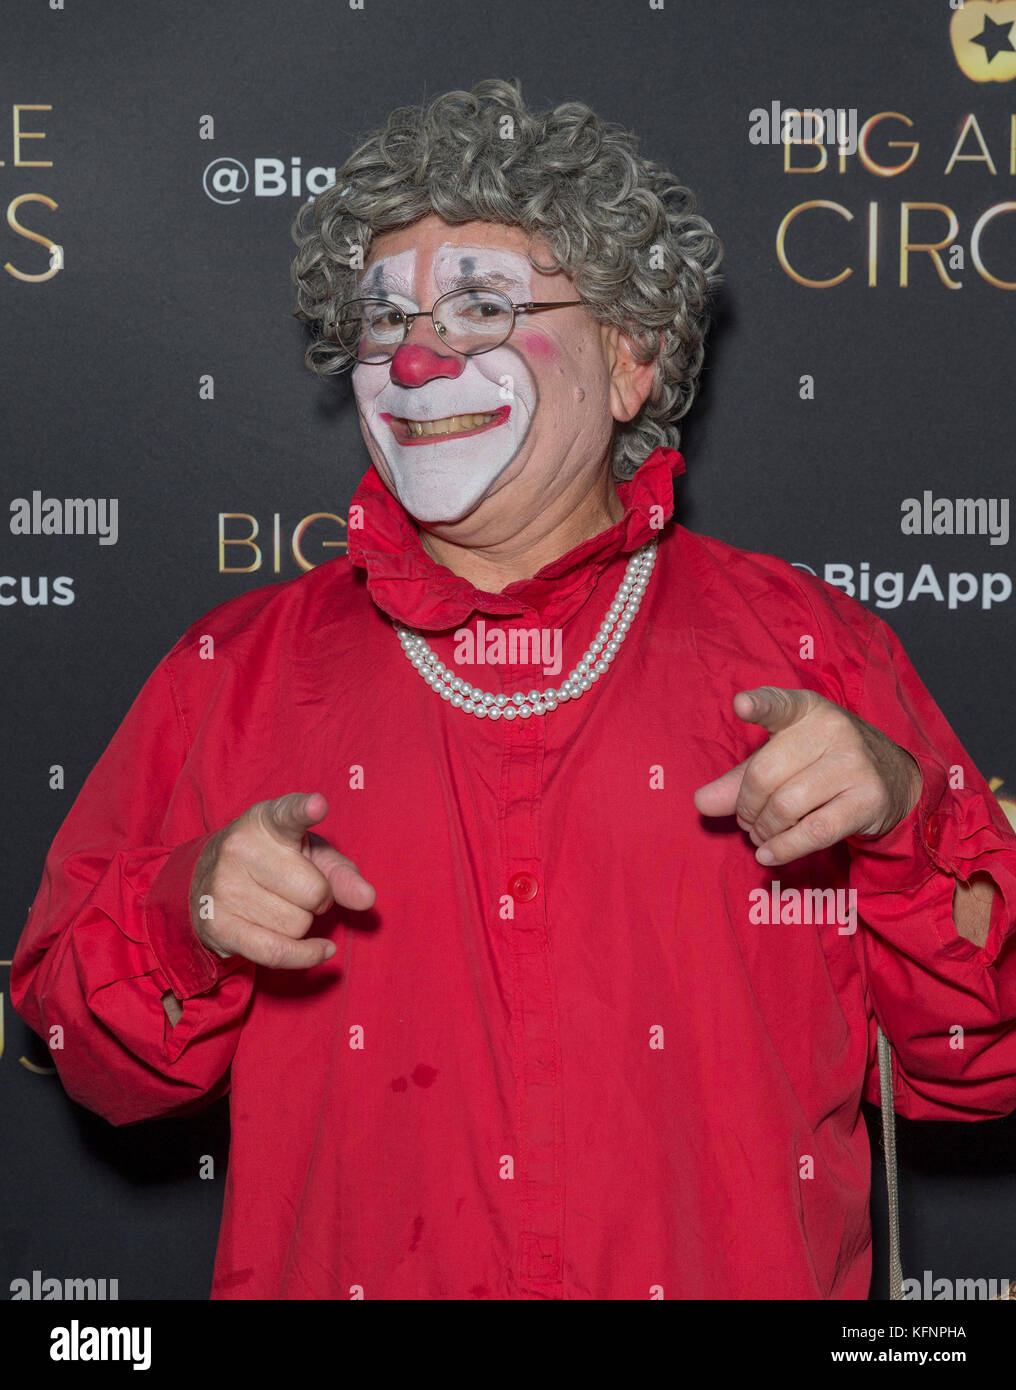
(249, 544)
(915, 240)
(25, 131)
(982, 39)
(924, 239)
(921, 239)
(928, 515)
(227, 180)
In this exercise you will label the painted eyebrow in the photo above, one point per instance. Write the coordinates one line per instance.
(374, 284)
(493, 279)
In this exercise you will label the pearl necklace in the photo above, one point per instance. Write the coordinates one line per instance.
(595, 661)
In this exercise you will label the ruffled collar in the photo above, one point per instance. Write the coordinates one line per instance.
(414, 589)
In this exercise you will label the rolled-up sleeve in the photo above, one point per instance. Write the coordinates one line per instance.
(947, 1005)
(109, 934)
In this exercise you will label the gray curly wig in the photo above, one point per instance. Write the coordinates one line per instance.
(620, 226)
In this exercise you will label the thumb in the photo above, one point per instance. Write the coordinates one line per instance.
(719, 798)
(348, 885)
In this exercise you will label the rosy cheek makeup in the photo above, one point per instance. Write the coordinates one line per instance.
(536, 346)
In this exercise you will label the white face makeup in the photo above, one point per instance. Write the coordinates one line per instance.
(441, 475)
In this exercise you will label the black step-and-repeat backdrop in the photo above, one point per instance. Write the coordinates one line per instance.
(164, 448)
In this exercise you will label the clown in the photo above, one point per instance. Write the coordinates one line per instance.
(497, 451)
(475, 954)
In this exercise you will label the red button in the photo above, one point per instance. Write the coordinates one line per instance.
(523, 888)
(933, 830)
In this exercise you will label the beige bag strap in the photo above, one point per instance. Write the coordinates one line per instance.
(885, 1079)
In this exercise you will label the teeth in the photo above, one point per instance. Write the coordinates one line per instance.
(449, 424)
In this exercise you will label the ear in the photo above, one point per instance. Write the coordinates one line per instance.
(630, 380)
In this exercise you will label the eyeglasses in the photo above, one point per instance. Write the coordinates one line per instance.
(470, 320)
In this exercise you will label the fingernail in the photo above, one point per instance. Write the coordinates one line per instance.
(330, 950)
(766, 856)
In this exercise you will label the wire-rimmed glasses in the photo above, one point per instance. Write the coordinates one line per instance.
(469, 320)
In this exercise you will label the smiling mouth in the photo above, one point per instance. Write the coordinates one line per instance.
(408, 431)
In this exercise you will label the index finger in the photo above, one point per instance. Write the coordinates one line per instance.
(773, 708)
(288, 818)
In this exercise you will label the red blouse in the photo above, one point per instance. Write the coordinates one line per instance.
(562, 1056)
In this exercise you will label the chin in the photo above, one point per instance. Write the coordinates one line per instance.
(429, 512)
(444, 494)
